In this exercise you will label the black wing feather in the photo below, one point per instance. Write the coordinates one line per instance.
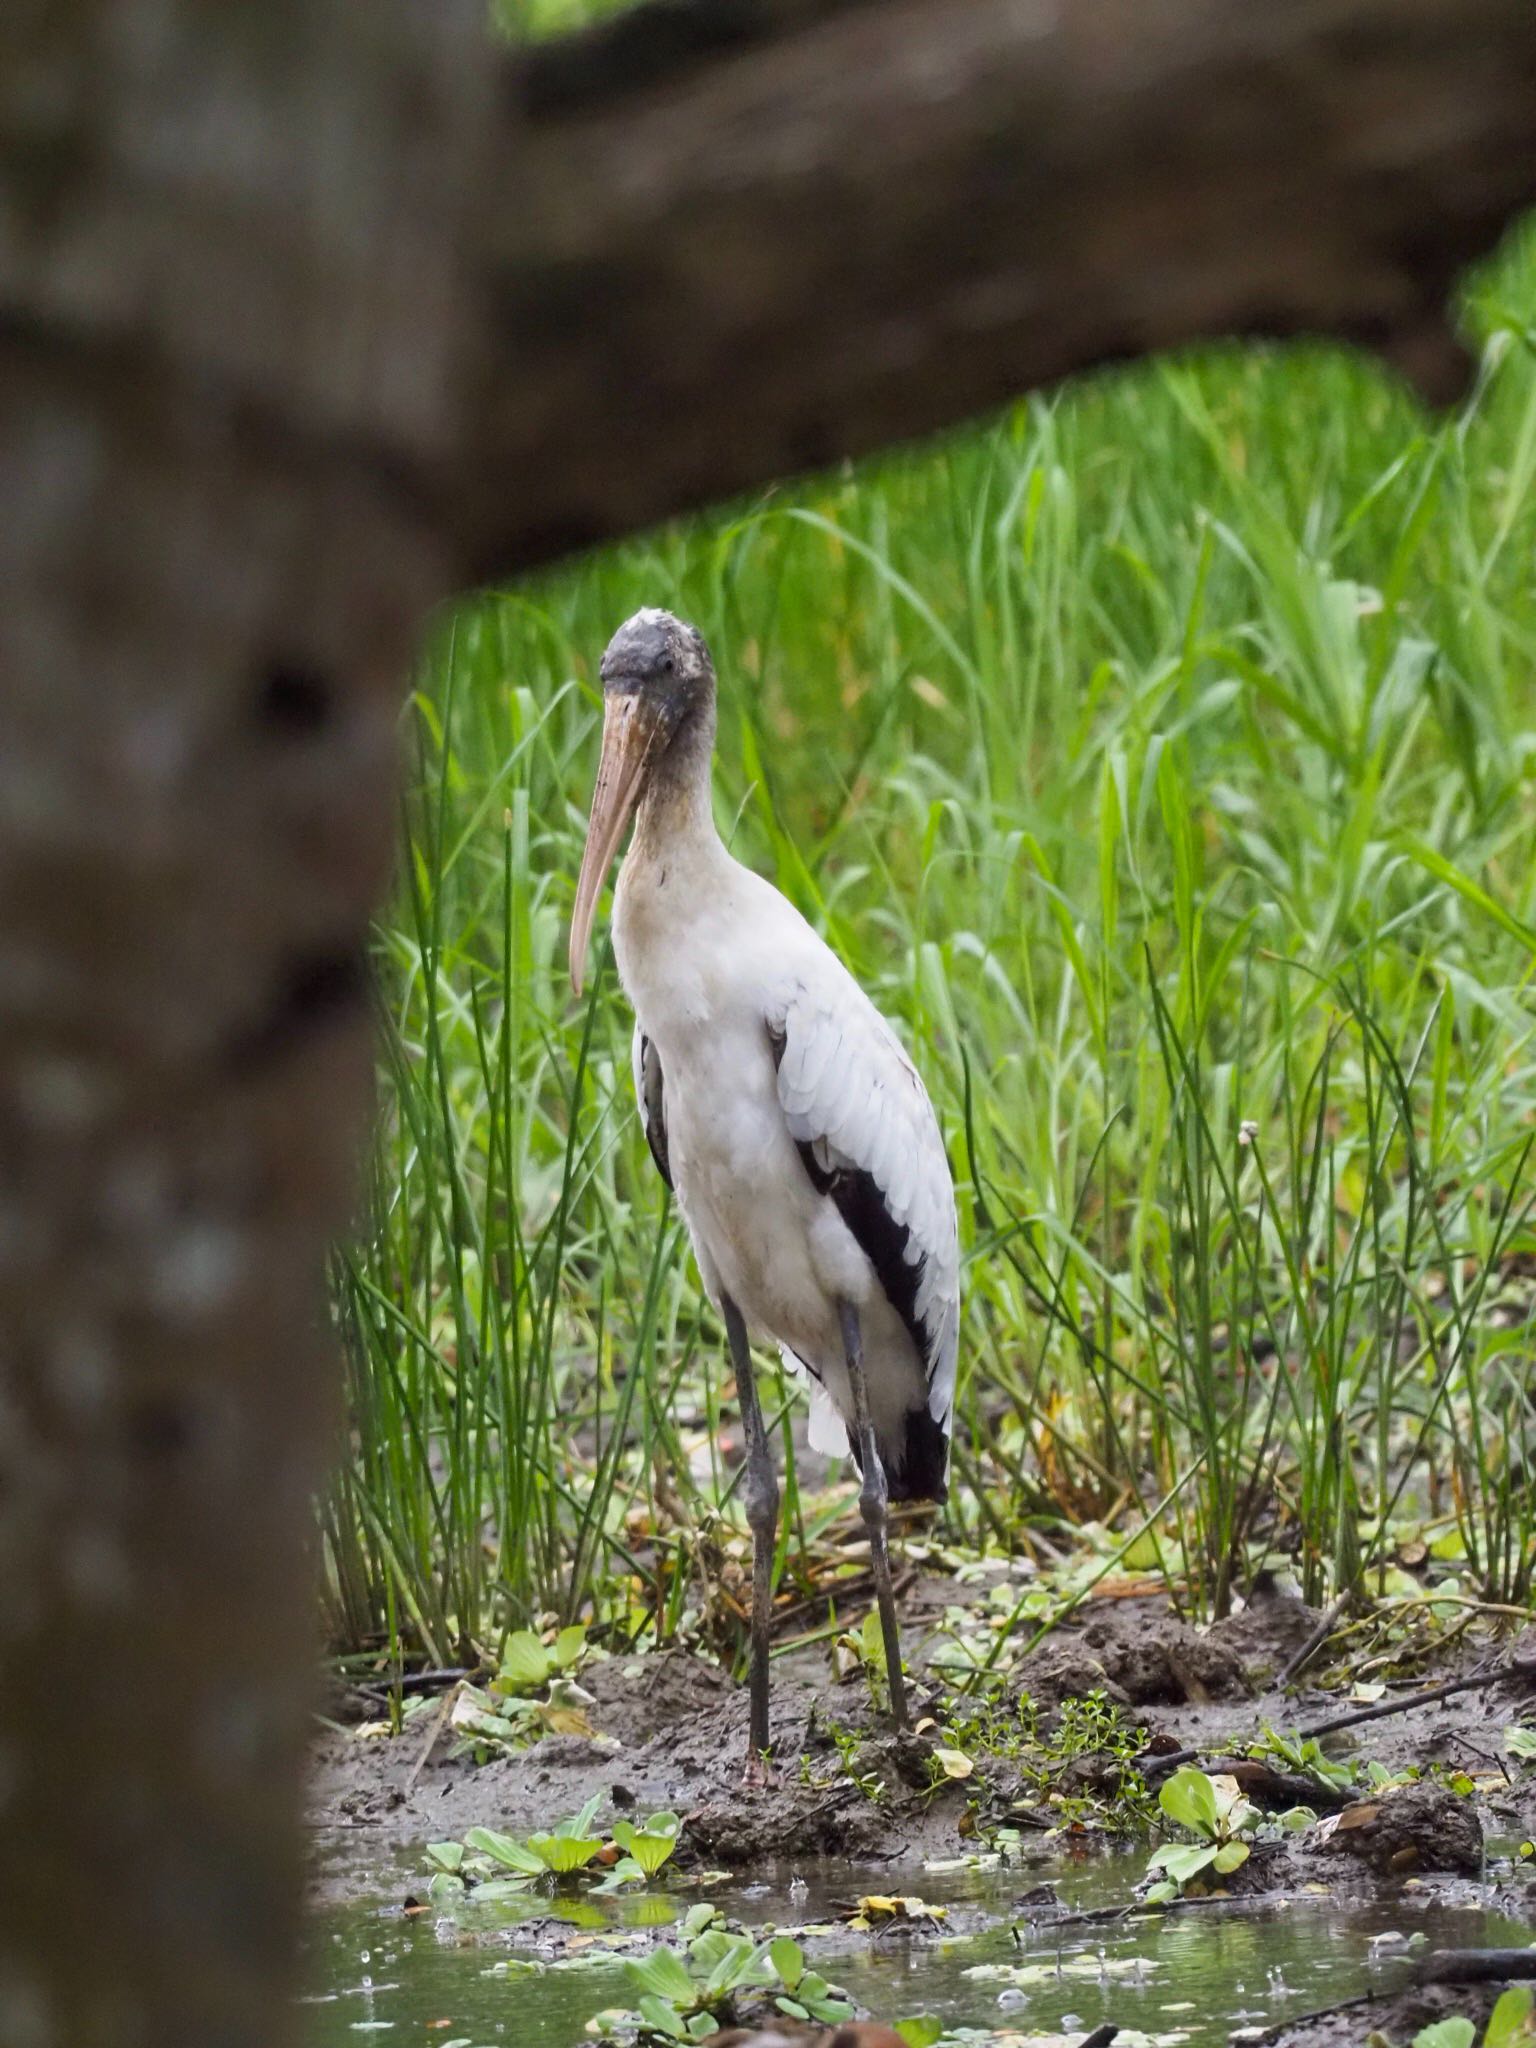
(860, 1201)
(653, 1106)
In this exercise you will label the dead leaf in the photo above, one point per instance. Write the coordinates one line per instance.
(1361, 1815)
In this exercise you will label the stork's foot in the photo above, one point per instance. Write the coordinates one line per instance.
(758, 1774)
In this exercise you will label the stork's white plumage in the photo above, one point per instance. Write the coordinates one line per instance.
(781, 1108)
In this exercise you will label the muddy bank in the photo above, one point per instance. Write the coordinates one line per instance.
(1393, 2021)
(670, 1731)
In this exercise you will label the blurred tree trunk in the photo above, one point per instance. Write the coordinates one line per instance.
(309, 313)
(227, 297)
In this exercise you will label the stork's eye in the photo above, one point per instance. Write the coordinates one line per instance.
(666, 665)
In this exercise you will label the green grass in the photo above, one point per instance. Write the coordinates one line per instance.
(1159, 756)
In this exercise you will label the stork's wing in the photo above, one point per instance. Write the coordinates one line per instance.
(650, 1096)
(867, 1132)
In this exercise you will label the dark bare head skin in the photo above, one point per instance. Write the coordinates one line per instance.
(658, 706)
(662, 658)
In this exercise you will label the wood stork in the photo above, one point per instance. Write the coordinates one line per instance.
(784, 1114)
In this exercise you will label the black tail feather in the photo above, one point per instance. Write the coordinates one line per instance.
(916, 1465)
(921, 1471)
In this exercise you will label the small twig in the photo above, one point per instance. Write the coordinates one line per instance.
(1157, 1766)
(1109, 1916)
(1483, 1675)
(1314, 1642)
(385, 1690)
(433, 1733)
(1280, 2028)
(1483, 1755)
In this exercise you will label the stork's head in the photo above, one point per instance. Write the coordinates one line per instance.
(657, 678)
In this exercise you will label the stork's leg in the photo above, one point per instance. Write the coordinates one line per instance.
(763, 1521)
(874, 1500)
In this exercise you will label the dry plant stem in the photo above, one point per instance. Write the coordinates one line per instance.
(1314, 1642)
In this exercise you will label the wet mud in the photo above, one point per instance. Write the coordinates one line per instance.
(670, 1731)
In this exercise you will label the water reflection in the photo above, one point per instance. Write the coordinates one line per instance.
(533, 1970)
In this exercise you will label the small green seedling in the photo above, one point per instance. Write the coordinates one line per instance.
(864, 1652)
(1215, 1811)
(528, 1664)
(1303, 1755)
(646, 1849)
(534, 1693)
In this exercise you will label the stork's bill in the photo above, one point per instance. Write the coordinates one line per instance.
(634, 727)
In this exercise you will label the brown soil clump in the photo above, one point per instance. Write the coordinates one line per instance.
(1418, 1827)
(1140, 1660)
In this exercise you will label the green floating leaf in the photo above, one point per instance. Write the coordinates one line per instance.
(1452, 2033)
(446, 1855)
(832, 2011)
(564, 1853)
(662, 2019)
(525, 1663)
(920, 2033)
(663, 1974)
(581, 1823)
(1513, 2019)
(568, 1647)
(503, 1849)
(739, 1961)
(1182, 1860)
(1519, 1741)
(1189, 1798)
(651, 1845)
(1230, 1856)
(788, 1958)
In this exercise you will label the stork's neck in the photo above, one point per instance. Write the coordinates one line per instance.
(676, 815)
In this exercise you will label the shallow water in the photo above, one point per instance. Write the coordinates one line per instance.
(459, 1974)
